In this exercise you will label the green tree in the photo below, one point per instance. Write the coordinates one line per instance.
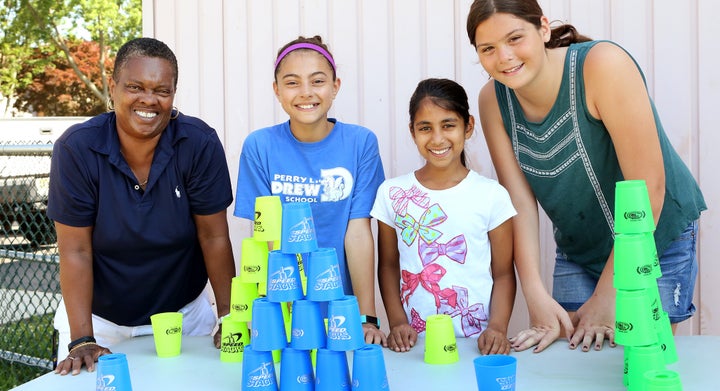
(52, 26)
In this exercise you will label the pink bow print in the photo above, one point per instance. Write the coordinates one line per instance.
(416, 322)
(471, 317)
(428, 278)
(401, 198)
(455, 249)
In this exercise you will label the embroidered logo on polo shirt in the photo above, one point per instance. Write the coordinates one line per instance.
(177, 191)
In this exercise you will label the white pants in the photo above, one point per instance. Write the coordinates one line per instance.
(199, 318)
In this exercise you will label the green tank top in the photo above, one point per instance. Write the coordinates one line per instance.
(571, 165)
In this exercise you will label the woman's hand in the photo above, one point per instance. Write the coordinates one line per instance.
(402, 338)
(547, 319)
(595, 322)
(86, 355)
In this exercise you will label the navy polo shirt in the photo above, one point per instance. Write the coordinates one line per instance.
(146, 255)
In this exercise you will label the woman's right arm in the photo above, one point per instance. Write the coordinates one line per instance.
(546, 315)
(76, 284)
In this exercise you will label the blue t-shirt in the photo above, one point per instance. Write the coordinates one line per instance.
(338, 176)
(146, 255)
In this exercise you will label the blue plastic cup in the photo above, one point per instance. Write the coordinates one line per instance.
(368, 369)
(344, 325)
(298, 229)
(495, 372)
(258, 370)
(331, 371)
(113, 373)
(324, 282)
(235, 336)
(308, 328)
(283, 281)
(296, 371)
(267, 331)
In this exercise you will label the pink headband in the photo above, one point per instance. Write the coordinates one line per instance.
(310, 46)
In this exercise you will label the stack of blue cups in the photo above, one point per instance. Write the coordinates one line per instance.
(313, 349)
(641, 325)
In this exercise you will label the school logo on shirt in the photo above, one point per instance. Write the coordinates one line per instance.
(334, 184)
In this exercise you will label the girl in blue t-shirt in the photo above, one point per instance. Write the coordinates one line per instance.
(445, 232)
(333, 166)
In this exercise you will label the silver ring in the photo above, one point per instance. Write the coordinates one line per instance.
(71, 358)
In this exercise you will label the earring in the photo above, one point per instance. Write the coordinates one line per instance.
(110, 105)
(176, 113)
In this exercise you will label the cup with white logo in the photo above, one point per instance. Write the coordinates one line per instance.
(495, 372)
(324, 282)
(267, 329)
(298, 229)
(331, 371)
(308, 328)
(167, 333)
(296, 371)
(283, 280)
(344, 324)
(368, 369)
(258, 370)
(113, 373)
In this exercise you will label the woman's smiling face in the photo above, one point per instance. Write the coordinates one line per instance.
(143, 96)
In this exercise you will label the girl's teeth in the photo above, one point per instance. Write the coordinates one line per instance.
(439, 151)
(146, 114)
(306, 106)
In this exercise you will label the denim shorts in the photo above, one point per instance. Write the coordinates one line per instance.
(572, 285)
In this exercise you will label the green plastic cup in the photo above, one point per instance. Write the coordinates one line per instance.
(633, 266)
(235, 336)
(268, 218)
(253, 260)
(633, 212)
(666, 338)
(242, 295)
(640, 360)
(440, 342)
(167, 333)
(662, 380)
(634, 323)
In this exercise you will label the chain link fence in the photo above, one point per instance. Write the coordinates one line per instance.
(29, 280)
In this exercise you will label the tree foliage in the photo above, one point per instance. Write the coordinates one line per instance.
(40, 37)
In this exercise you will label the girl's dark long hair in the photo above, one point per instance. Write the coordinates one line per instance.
(527, 10)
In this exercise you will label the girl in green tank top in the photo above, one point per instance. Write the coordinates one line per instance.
(565, 118)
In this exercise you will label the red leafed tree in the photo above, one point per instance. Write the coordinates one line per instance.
(57, 90)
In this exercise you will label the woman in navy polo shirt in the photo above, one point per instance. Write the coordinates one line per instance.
(139, 198)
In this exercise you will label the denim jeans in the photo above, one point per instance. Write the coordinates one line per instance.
(572, 285)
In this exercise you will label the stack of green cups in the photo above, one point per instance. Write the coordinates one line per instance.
(641, 325)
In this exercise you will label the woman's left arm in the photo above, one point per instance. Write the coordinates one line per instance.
(214, 237)
(616, 94)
